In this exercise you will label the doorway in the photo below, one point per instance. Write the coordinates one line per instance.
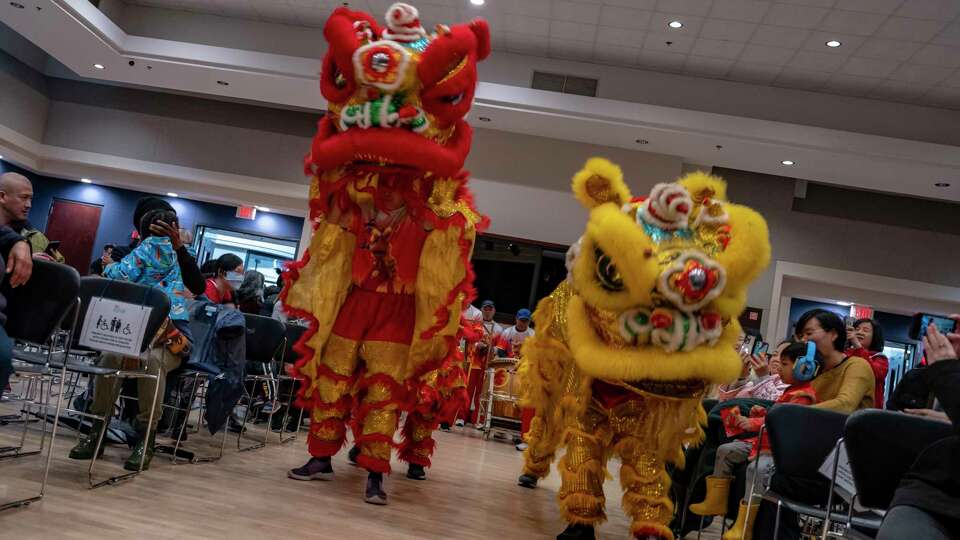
(75, 225)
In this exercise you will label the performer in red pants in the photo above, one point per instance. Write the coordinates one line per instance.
(488, 332)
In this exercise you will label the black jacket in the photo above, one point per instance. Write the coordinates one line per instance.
(933, 482)
(8, 237)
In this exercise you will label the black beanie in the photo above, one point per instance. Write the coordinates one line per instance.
(147, 204)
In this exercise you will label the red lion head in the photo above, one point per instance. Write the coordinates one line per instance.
(397, 95)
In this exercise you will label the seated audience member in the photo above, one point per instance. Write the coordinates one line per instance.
(767, 385)
(927, 503)
(227, 278)
(250, 293)
(186, 261)
(846, 383)
(96, 268)
(15, 258)
(153, 263)
(798, 365)
(866, 341)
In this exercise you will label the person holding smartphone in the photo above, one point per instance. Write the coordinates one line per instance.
(766, 366)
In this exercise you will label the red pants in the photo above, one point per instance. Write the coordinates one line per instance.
(475, 395)
(526, 416)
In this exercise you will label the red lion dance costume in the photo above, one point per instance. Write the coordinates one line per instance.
(387, 273)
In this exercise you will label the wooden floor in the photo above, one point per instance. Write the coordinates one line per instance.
(470, 493)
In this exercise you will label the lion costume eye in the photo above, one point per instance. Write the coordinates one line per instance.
(607, 273)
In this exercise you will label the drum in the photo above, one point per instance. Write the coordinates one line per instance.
(506, 390)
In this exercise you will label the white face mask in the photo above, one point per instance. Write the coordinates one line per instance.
(235, 279)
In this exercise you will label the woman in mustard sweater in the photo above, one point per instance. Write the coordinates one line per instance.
(846, 383)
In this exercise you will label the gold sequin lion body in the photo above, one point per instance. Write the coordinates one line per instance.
(626, 347)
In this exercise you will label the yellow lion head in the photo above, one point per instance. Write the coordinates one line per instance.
(659, 281)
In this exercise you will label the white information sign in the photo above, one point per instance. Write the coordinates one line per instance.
(114, 326)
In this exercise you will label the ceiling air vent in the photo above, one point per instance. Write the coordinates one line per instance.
(566, 84)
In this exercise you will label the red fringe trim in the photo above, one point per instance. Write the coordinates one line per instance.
(323, 447)
(373, 464)
(408, 447)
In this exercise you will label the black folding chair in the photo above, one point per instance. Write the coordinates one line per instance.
(35, 313)
(265, 336)
(801, 438)
(287, 358)
(121, 291)
(877, 474)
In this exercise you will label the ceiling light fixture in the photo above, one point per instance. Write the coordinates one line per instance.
(172, 194)
(262, 208)
(842, 303)
(86, 180)
(675, 24)
(938, 184)
(223, 83)
(833, 44)
(642, 141)
(477, 2)
(787, 162)
(483, 118)
(99, 66)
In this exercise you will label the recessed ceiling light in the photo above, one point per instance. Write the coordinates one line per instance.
(16, 5)
(787, 162)
(86, 180)
(675, 24)
(1, 157)
(262, 208)
(938, 184)
(483, 118)
(842, 303)
(834, 43)
(172, 194)
(223, 83)
(99, 66)
(477, 2)
(642, 141)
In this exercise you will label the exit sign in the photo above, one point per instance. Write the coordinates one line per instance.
(247, 212)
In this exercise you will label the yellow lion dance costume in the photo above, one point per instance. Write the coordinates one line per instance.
(627, 346)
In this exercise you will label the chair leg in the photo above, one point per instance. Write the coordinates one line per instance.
(776, 522)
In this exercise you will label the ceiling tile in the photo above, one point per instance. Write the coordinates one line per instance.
(649, 5)
(659, 22)
(940, 10)
(816, 61)
(707, 67)
(850, 85)
(522, 24)
(620, 36)
(795, 16)
(765, 54)
(615, 55)
(869, 67)
(531, 8)
(938, 55)
(942, 96)
(817, 42)
(740, 10)
(780, 36)
(949, 35)
(920, 74)
(573, 11)
(910, 29)
(571, 50)
(802, 79)
(621, 17)
(524, 43)
(888, 49)
(659, 42)
(716, 48)
(685, 7)
(754, 73)
(953, 80)
(573, 31)
(884, 7)
(898, 91)
(852, 22)
(817, 3)
(728, 30)
(662, 61)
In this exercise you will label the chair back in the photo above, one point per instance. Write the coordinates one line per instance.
(293, 333)
(36, 309)
(131, 293)
(882, 446)
(264, 337)
(801, 437)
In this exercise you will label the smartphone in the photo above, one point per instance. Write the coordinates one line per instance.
(760, 348)
(748, 342)
(921, 321)
(54, 245)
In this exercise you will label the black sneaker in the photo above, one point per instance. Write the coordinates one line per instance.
(444, 427)
(353, 454)
(416, 472)
(527, 481)
(315, 469)
(577, 532)
(374, 493)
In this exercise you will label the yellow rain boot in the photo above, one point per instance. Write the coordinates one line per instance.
(743, 528)
(715, 503)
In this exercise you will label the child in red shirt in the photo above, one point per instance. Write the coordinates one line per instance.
(799, 365)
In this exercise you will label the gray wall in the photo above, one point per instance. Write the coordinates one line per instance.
(23, 101)
(846, 243)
